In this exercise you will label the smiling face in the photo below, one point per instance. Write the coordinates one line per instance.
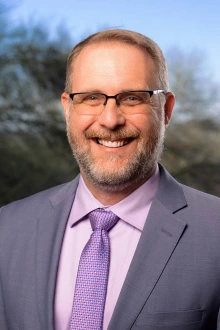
(115, 151)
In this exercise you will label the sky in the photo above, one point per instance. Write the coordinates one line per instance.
(188, 24)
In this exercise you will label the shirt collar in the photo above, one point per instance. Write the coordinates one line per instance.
(133, 209)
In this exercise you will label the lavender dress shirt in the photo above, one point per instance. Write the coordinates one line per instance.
(124, 237)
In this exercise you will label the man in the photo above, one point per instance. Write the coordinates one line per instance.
(164, 240)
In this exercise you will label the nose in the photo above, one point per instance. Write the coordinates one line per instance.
(111, 116)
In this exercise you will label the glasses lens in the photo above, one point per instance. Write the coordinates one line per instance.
(133, 98)
(91, 99)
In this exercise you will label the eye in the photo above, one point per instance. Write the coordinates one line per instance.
(90, 97)
(131, 99)
(93, 99)
(134, 98)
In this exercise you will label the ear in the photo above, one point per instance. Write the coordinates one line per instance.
(168, 107)
(65, 104)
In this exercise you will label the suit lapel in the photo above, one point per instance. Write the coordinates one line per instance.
(50, 231)
(157, 243)
(159, 238)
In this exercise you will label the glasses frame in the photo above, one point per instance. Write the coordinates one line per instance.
(71, 95)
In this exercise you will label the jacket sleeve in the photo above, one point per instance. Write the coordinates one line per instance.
(3, 323)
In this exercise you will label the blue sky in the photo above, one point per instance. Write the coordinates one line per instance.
(187, 24)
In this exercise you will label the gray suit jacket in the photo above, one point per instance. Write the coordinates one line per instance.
(173, 282)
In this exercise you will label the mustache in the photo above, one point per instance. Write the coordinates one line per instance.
(118, 134)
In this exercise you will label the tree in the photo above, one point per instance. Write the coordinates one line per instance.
(192, 83)
(193, 139)
(34, 151)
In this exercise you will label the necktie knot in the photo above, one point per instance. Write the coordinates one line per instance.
(102, 219)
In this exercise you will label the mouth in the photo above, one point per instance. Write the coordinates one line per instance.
(114, 144)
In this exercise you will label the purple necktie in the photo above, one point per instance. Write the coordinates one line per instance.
(92, 276)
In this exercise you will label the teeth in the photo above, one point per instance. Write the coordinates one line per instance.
(112, 144)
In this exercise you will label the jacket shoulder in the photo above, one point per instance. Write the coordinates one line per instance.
(202, 198)
(35, 203)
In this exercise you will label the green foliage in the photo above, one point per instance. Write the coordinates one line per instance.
(34, 150)
(192, 154)
(30, 164)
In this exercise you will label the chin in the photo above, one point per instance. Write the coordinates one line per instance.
(112, 177)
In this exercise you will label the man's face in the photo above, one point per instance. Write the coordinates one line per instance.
(115, 150)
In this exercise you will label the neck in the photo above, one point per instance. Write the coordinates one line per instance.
(107, 196)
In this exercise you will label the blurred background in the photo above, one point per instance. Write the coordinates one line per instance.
(35, 39)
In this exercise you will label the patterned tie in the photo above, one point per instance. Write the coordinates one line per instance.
(92, 276)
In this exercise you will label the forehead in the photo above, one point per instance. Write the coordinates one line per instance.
(113, 62)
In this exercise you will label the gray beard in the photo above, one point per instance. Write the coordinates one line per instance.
(137, 169)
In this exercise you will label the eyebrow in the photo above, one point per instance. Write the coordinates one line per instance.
(122, 91)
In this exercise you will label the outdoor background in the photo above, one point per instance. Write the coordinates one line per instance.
(35, 39)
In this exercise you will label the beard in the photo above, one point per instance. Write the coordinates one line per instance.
(105, 173)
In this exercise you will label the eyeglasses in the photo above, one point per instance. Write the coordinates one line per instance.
(130, 102)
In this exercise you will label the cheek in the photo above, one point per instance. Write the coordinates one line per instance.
(148, 124)
(80, 123)
(142, 122)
